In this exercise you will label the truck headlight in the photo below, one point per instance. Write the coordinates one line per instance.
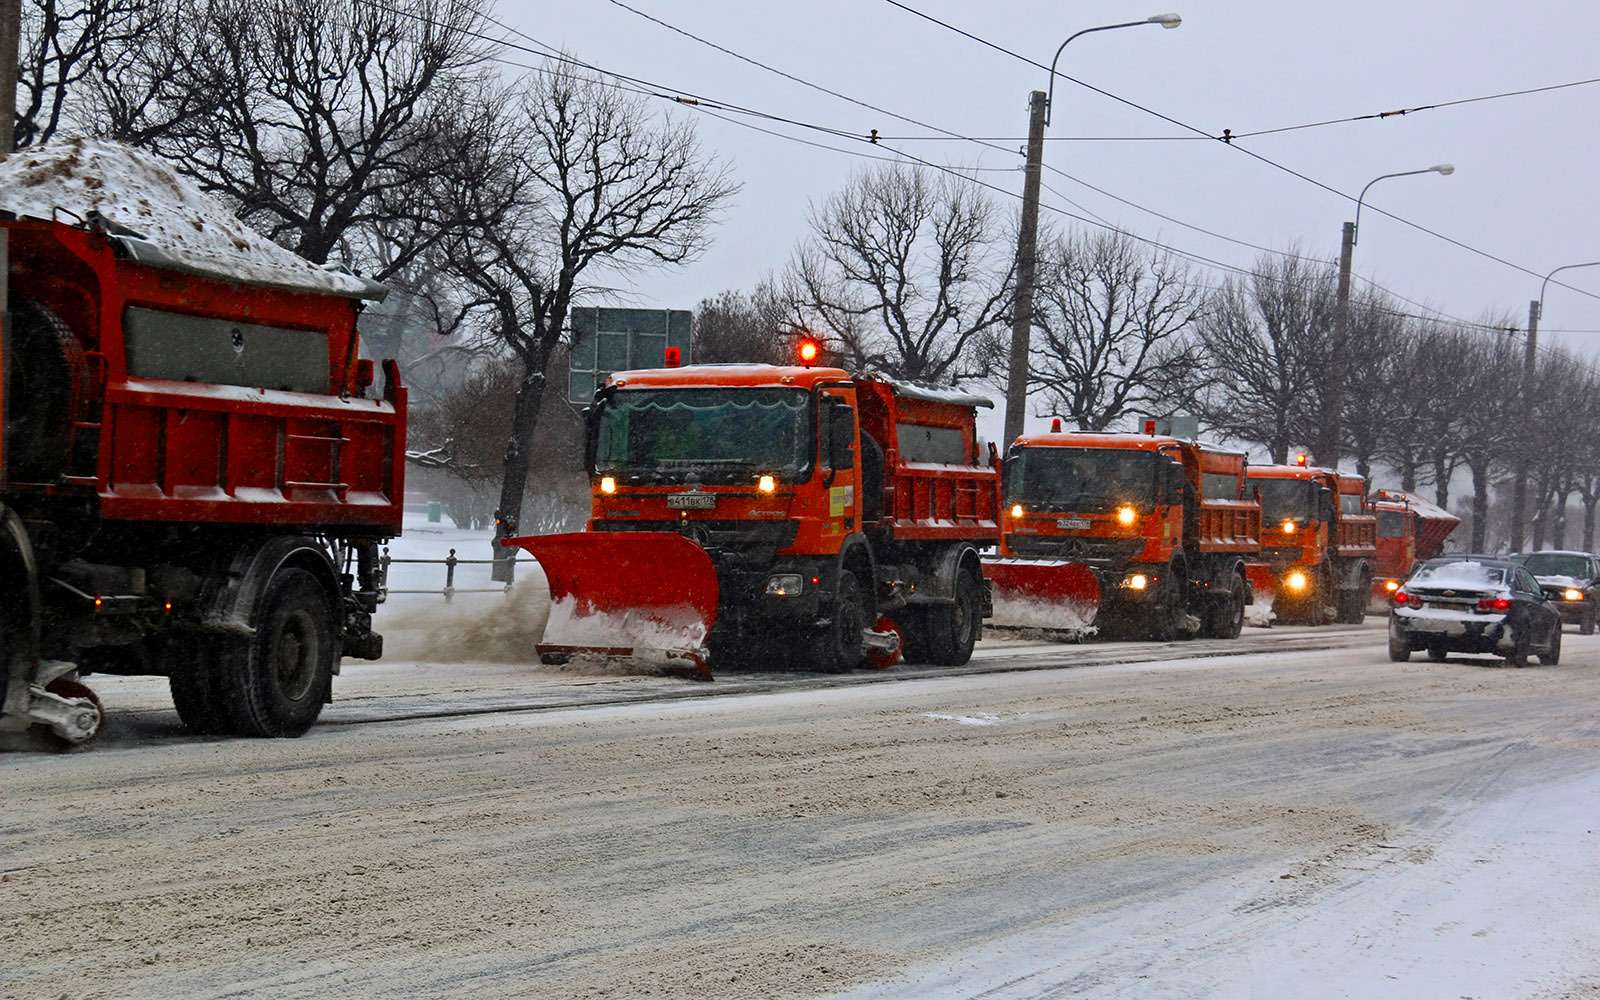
(767, 484)
(1297, 581)
(1126, 515)
(1136, 581)
(1391, 585)
(608, 485)
(1288, 526)
(1572, 594)
(1016, 510)
(785, 585)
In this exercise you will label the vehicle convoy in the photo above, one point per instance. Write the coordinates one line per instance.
(1571, 581)
(1474, 604)
(775, 514)
(1318, 545)
(193, 478)
(1410, 530)
(1138, 534)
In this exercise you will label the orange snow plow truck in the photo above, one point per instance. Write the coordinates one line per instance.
(1410, 530)
(1319, 548)
(1136, 534)
(774, 514)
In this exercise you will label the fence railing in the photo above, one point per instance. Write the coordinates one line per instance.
(449, 563)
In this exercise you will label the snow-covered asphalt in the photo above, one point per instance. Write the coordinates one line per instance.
(1301, 818)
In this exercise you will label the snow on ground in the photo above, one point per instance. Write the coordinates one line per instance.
(161, 216)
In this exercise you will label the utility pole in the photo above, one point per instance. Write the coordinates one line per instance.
(1519, 488)
(1027, 260)
(10, 33)
(1327, 446)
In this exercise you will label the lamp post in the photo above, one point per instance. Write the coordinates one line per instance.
(1530, 364)
(1028, 232)
(1327, 446)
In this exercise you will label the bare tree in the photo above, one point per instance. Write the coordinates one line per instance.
(904, 271)
(1265, 347)
(1378, 345)
(1487, 419)
(735, 326)
(1113, 329)
(334, 117)
(599, 187)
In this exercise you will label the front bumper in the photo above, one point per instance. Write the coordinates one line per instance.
(1458, 632)
(1576, 612)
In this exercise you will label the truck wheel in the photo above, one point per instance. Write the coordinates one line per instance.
(841, 648)
(1227, 615)
(952, 630)
(192, 676)
(275, 683)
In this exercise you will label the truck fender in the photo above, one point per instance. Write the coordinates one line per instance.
(1353, 572)
(231, 600)
(19, 566)
(940, 586)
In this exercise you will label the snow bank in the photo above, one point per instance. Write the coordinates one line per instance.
(159, 216)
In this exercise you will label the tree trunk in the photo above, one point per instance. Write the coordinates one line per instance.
(1541, 521)
(1441, 483)
(1364, 467)
(519, 447)
(1589, 505)
(1408, 473)
(1480, 507)
(1558, 529)
(1280, 450)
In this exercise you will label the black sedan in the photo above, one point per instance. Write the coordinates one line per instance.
(1473, 604)
(1569, 579)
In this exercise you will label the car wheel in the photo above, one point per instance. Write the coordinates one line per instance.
(1399, 651)
(1552, 654)
(1586, 627)
(1438, 654)
(1518, 657)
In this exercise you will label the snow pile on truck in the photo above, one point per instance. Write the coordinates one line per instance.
(157, 215)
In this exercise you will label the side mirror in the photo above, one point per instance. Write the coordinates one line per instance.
(841, 436)
(1173, 482)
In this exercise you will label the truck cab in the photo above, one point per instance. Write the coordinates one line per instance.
(1318, 545)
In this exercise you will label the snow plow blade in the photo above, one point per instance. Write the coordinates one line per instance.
(643, 594)
(1264, 582)
(1043, 593)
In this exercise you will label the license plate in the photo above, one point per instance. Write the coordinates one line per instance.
(1072, 524)
(1429, 625)
(691, 501)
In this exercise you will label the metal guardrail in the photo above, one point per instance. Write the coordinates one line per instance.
(449, 563)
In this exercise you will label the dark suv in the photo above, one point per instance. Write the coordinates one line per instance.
(1569, 580)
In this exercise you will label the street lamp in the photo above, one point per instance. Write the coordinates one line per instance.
(1530, 361)
(1327, 446)
(1039, 103)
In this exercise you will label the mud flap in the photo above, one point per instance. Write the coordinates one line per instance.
(1043, 593)
(644, 594)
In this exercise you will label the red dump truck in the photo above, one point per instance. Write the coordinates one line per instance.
(1410, 530)
(194, 474)
(1141, 534)
(1318, 545)
(791, 514)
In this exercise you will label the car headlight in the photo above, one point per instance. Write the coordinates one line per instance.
(785, 585)
(1136, 581)
(1126, 515)
(1572, 594)
(1297, 581)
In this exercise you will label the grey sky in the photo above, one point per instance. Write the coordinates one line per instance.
(1524, 188)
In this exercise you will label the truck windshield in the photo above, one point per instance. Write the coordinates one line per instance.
(1284, 498)
(705, 435)
(1080, 479)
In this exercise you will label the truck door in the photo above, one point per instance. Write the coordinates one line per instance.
(841, 463)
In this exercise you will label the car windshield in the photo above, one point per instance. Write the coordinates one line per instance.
(1284, 498)
(1461, 574)
(1080, 479)
(704, 435)
(1558, 564)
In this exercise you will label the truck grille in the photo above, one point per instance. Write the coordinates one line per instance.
(745, 542)
(1094, 551)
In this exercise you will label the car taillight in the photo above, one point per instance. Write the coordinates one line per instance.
(1495, 604)
(1402, 598)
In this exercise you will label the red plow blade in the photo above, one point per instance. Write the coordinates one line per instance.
(1043, 593)
(647, 594)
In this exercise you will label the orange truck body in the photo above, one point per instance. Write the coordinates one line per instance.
(1410, 530)
(1164, 525)
(884, 484)
(1319, 544)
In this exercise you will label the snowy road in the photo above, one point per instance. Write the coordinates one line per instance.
(1304, 818)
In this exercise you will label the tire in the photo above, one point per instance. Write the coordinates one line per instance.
(952, 630)
(1226, 620)
(1552, 656)
(1399, 652)
(1438, 654)
(1586, 627)
(1353, 608)
(1519, 653)
(839, 648)
(275, 683)
(192, 673)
